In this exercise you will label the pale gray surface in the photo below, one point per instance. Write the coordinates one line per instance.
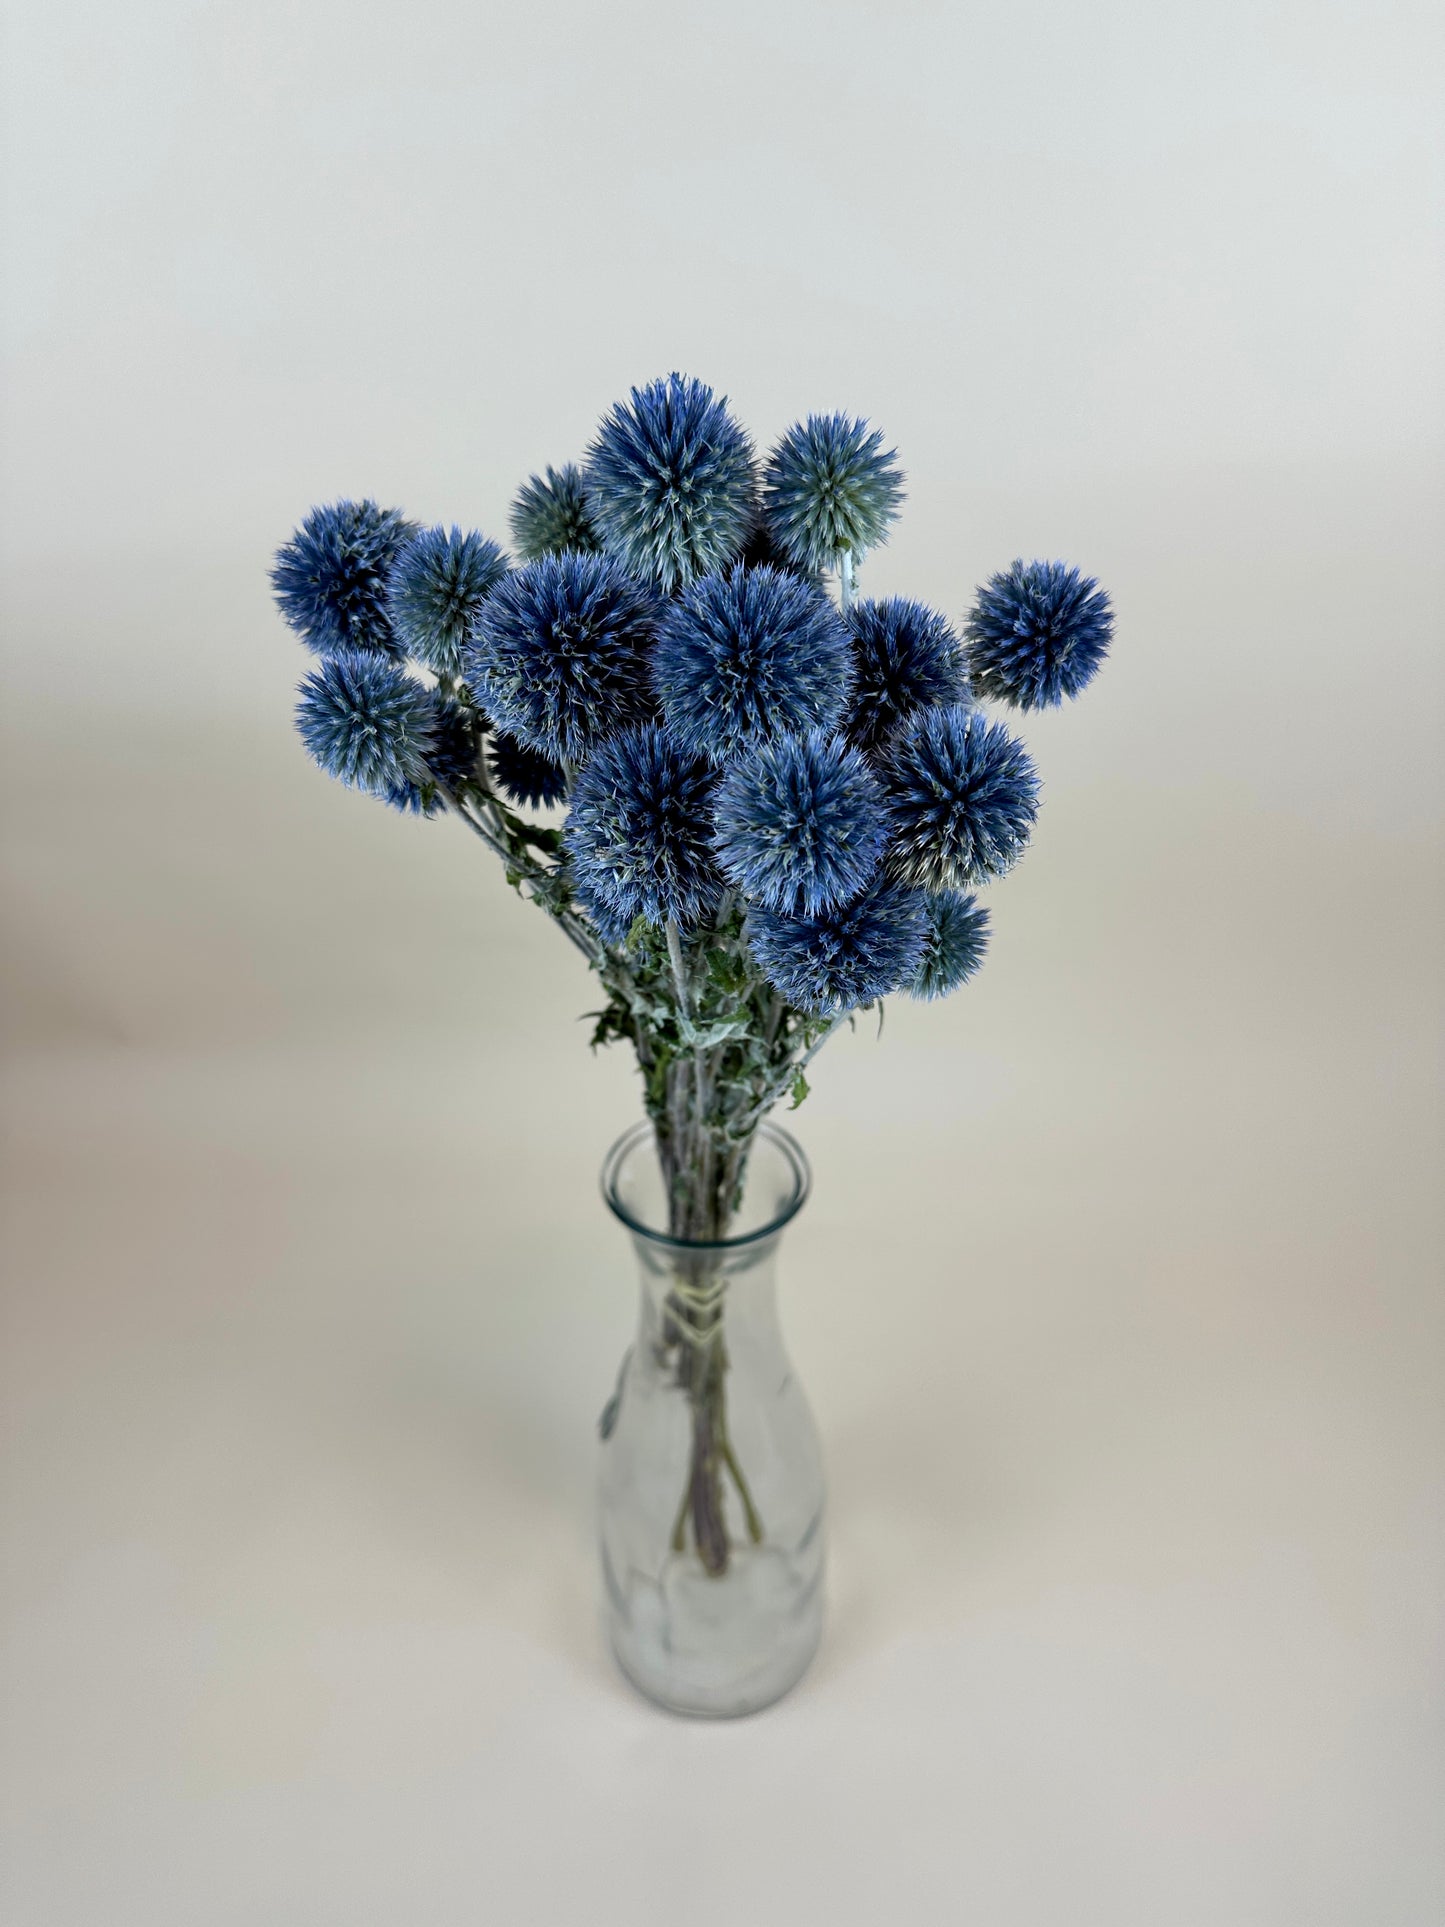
(1119, 1299)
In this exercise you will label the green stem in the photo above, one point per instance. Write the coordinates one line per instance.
(679, 1530)
(679, 968)
(750, 1511)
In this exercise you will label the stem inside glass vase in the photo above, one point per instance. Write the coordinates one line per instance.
(694, 1335)
(703, 1167)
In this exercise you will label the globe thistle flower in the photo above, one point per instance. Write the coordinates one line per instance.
(963, 797)
(748, 655)
(611, 924)
(330, 578)
(1037, 633)
(455, 745)
(549, 514)
(367, 722)
(525, 775)
(558, 654)
(906, 657)
(413, 799)
(956, 936)
(761, 551)
(437, 584)
(638, 833)
(843, 957)
(670, 482)
(800, 824)
(450, 760)
(830, 490)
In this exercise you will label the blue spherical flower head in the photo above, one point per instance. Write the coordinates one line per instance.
(450, 761)
(366, 722)
(842, 958)
(955, 940)
(760, 550)
(801, 824)
(670, 483)
(638, 833)
(610, 924)
(437, 585)
(1037, 633)
(558, 656)
(906, 658)
(549, 515)
(748, 655)
(525, 775)
(963, 797)
(830, 489)
(330, 579)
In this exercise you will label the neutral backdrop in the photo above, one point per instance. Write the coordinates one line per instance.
(1119, 1294)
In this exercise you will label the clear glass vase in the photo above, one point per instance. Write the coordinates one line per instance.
(712, 1479)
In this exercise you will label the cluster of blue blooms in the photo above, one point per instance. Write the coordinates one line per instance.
(666, 659)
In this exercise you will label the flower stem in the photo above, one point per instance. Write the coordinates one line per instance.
(847, 583)
(750, 1511)
(679, 968)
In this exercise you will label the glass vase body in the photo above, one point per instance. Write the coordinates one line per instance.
(711, 1489)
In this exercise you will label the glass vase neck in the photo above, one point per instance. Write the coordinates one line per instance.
(774, 1183)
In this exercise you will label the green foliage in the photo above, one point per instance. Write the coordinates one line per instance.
(612, 1025)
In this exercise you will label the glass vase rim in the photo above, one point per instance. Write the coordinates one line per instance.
(641, 1133)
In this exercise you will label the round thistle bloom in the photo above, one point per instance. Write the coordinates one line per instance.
(438, 583)
(745, 656)
(830, 489)
(610, 924)
(526, 775)
(549, 514)
(1037, 633)
(670, 482)
(845, 957)
(558, 654)
(367, 722)
(450, 759)
(761, 550)
(963, 797)
(638, 834)
(330, 578)
(906, 657)
(955, 939)
(800, 824)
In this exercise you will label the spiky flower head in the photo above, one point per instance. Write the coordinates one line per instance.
(670, 482)
(761, 550)
(450, 760)
(330, 578)
(842, 958)
(830, 489)
(744, 656)
(437, 585)
(906, 658)
(800, 823)
(963, 797)
(638, 833)
(558, 654)
(549, 514)
(367, 722)
(526, 775)
(610, 923)
(955, 939)
(1037, 633)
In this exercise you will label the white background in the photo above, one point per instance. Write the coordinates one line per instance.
(1118, 1298)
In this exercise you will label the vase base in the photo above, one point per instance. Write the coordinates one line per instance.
(719, 1648)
